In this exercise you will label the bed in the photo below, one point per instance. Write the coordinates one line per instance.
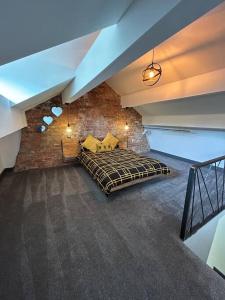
(117, 169)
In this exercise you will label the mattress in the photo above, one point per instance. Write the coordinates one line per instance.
(120, 168)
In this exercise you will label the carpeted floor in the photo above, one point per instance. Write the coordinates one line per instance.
(61, 238)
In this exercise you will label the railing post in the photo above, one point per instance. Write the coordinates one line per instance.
(191, 178)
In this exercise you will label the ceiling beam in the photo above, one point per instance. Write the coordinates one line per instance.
(145, 25)
(208, 83)
(41, 97)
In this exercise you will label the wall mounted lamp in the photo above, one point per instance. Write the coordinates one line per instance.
(68, 128)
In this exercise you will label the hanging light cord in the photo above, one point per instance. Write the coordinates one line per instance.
(153, 53)
(68, 114)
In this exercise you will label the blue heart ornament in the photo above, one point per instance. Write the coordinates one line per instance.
(57, 110)
(48, 120)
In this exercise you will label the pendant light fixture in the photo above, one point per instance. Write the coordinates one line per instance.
(68, 128)
(126, 127)
(152, 73)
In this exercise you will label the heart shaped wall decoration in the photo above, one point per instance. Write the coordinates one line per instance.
(57, 110)
(41, 128)
(48, 120)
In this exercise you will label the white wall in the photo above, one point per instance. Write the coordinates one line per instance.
(9, 148)
(191, 120)
(200, 243)
(11, 119)
(198, 145)
(216, 256)
(205, 104)
(206, 112)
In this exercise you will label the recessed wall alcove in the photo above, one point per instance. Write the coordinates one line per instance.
(97, 112)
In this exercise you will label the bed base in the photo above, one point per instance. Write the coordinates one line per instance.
(136, 181)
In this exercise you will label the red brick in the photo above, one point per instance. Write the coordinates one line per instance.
(97, 112)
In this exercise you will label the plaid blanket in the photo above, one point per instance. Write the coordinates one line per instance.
(114, 168)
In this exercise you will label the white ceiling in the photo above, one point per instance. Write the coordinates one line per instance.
(38, 73)
(145, 25)
(32, 79)
(52, 46)
(198, 48)
(30, 26)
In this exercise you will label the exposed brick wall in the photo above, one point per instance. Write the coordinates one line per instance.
(97, 112)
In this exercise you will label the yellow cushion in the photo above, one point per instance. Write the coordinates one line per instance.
(104, 147)
(91, 143)
(110, 139)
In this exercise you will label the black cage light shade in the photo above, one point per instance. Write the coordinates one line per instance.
(152, 73)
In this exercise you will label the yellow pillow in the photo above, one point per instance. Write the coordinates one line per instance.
(104, 147)
(91, 143)
(110, 139)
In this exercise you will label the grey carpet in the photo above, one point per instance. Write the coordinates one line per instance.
(61, 238)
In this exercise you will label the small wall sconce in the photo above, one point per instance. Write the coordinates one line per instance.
(68, 128)
(126, 127)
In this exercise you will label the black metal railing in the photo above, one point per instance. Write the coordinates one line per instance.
(204, 195)
(219, 272)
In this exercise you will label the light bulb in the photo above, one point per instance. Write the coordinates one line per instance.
(151, 74)
(126, 127)
(68, 131)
